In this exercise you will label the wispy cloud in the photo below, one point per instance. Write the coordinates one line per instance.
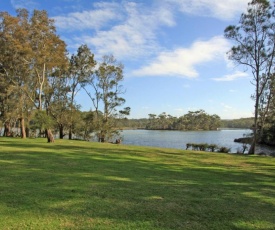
(125, 29)
(182, 62)
(232, 77)
(224, 10)
(27, 4)
(130, 30)
(226, 107)
(89, 19)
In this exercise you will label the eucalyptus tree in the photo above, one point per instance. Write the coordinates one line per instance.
(31, 54)
(106, 83)
(58, 102)
(152, 121)
(14, 51)
(81, 69)
(48, 59)
(254, 48)
(162, 121)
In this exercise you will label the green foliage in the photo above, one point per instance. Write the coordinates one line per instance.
(207, 147)
(108, 90)
(198, 120)
(35, 74)
(224, 150)
(41, 120)
(243, 123)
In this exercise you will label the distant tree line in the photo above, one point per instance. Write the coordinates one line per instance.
(193, 120)
(39, 82)
(242, 123)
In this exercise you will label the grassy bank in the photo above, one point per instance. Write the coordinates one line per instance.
(81, 185)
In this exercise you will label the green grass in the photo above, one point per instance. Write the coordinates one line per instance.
(82, 185)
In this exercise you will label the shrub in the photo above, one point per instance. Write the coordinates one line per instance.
(209, 147)
(212, 147)
(203, 146)
(224, 150)
(188, 145)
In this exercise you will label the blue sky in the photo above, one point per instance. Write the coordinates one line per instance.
(174, 51)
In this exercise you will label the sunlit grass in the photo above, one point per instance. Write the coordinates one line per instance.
(82, 185)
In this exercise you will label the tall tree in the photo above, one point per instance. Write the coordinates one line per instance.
(108, 90)
(15, 50)
(254, 48)
(31, 55)
(59, 102)
(48, 58)
(80, 71)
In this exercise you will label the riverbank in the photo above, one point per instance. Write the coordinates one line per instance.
(83, 185)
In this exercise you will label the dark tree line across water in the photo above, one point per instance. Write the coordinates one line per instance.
(196, 120)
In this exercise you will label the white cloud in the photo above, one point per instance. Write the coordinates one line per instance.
(124, 29)
(182, 61)
(232, 77)
(89, 19)
(27, 4)
(129, 30)
(226, 107)
(225, 10)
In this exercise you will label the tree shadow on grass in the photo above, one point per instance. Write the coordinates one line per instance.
(112, 187)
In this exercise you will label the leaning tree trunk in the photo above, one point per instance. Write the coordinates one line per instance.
(49, 135)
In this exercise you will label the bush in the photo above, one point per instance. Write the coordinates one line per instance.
(224, 150)
(212, 147)
(205, 147)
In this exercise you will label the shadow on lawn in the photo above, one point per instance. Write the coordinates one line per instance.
(84, 182)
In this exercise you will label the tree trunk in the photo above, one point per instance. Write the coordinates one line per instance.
(102, 136)
(70, 133)
(252, 149)
(50, 136)
(22, 128)
(27, 130)
(7, 129)
(61, 131)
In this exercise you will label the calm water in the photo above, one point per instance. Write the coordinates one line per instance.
(178, 139)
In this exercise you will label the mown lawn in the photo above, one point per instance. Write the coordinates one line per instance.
(82, 185)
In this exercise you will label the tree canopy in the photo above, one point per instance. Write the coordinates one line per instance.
(39, 81)
(193, 120)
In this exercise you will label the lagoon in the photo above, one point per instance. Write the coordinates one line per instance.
(178, 139)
